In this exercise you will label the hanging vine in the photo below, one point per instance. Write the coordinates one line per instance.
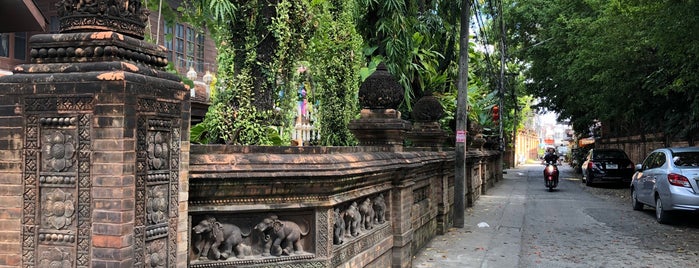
(256, 56)
(335, 57)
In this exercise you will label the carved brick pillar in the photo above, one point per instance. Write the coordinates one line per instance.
(471, 174)
(401, 207)
(485, 175)
(104, 144)
(444, 194)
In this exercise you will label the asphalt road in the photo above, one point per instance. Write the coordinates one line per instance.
(519, 223)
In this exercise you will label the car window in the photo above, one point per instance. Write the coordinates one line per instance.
(648, 162)
(686, 159)
(659, 160)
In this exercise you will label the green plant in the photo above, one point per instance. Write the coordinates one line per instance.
(334, 54)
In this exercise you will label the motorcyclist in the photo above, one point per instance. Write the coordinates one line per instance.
(550, 156)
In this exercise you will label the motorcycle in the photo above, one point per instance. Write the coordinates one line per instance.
(551, 175)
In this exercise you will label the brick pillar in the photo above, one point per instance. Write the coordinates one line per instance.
(11, 157)
(443, 195)
(471, 178)
(401, 208)
(95, 150)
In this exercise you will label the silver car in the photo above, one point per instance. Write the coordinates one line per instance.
(667, 180)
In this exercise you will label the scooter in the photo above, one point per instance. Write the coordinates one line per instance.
(551, 175)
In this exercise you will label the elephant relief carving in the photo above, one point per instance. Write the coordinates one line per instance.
(380, 209)
(352, 219)
(219, 238)
(338, 227)
(367, 212)
(285, 236)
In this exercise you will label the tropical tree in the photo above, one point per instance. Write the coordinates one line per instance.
(583, 57)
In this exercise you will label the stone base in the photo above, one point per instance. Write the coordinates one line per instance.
(427, 134)
(379, 127)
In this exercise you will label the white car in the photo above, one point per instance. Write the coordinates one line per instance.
(667, 180)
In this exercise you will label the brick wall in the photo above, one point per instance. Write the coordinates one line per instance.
(242, 185)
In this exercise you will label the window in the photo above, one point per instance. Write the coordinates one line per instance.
(21, 46)
(686, 159)
(168, 41)
(5, 45)
(185, 47)
(190, 46)
(200, 53)
(179, 46)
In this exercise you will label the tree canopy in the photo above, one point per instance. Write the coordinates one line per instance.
(262, 43)
(629, 64)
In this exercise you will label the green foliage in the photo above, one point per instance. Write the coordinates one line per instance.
(260, 46)
(334, 54)
(582, 57)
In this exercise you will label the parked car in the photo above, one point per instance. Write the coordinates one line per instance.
(607, 165)
(667, 180)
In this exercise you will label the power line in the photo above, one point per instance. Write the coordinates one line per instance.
(484, 40)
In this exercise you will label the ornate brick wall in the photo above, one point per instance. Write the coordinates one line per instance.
(317, 188)
(94, 139)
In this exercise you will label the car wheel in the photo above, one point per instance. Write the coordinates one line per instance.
(634, 200)
(661, 215)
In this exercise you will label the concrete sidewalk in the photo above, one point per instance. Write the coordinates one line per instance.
(492, 233)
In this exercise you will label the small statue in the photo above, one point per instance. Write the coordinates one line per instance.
(352, 219)
(338, 227)
(277, 232)
(367, 212)
(220, 239)
(380, 209)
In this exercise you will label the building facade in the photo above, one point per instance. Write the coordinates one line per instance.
(188, 49)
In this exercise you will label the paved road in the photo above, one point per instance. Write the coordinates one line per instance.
(524, 225)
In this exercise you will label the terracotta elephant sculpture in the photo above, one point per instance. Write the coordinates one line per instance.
(219, 238)
(338, 227)
(277, 233)
(379, 209)
(352, 219)
(367, 212)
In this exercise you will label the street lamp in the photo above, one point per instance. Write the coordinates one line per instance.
(208, 78)
(192, 75)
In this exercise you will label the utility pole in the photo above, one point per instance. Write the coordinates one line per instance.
(461, 118)
(501, 91)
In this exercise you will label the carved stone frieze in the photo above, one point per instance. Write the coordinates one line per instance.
(57, 182)
(56, 257)
(163, 108)
(357, 217)
(125, 16)
(157, 206)
(156, 253)
(58, 209)
(58, 151)
(349, 249)
(323, 233)
(157, 180)
(252, 238)
(158, 149)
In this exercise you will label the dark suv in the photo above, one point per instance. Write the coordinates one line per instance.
(607, 165)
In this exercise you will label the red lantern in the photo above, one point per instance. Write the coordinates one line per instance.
(496, 113)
